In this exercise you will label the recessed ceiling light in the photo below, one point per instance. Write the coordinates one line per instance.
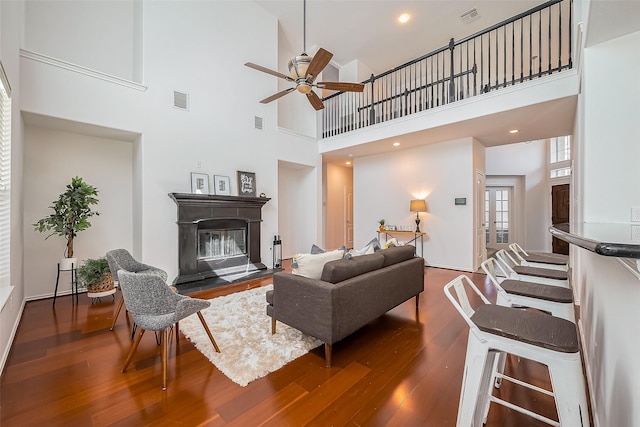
(396, 144)
(514, 131)
(347, 163)
(404, 18)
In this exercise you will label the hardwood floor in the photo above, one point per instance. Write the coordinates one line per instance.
(64, 369)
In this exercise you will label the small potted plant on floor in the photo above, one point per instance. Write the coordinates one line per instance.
(71, 213)
(95, 276)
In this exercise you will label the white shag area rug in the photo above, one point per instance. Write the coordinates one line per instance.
(242, 330)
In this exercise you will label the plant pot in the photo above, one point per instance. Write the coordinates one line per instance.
(102, 288)
(67, 263)
(382, 228)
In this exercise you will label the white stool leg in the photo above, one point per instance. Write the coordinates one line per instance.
(477, 371)
(570, 393)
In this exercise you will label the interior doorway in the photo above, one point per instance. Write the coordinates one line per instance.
(498, 202)
(348, 217)
(560, 202)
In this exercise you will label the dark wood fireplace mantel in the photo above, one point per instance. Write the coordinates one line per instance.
(196, 210)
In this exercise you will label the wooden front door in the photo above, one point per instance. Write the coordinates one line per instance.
(560, 201)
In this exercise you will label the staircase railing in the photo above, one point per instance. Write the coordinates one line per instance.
(530, 45)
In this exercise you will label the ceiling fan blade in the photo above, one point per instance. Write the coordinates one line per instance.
(315, 101)
(342, 86)
(319, 61)
(277, 95)
(268, 71)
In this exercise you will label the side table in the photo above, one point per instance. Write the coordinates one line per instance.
(74, 283)
(415, 234)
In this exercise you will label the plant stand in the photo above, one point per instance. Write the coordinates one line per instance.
(102, 289)
(74, 283)
(95, 296)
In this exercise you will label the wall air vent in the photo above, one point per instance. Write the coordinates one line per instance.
(180, 100)
(470, 16)
(258, 122)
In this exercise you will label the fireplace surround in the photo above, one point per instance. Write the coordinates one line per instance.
(218, 236)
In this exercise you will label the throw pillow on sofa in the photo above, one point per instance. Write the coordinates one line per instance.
(315, 249)
(311, 265)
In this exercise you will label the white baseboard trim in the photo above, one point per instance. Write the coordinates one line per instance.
(12, 337)
(585, 356)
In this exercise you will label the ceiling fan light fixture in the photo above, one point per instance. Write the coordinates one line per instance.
(299, 65)
(303, 88)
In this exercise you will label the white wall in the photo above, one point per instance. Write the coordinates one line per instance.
(215, 136)
(297, 224)
(609, 313)
(101, 35)
(385, 184)
(11, 19)
(105, 164)
(529, 160)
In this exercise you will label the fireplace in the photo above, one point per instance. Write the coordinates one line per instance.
(218, 236)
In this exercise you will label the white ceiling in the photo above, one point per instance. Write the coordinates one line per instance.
(370, 32)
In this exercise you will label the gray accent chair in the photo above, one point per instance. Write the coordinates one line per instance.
(121, 259)
(155, 307)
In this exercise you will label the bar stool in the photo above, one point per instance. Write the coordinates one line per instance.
(541, 261)
(545, 339)
(556, 300)
(546, 256)
(544, 276)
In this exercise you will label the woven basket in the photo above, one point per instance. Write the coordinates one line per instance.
(105, 285)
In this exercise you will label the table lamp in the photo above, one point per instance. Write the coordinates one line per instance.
(418, 206)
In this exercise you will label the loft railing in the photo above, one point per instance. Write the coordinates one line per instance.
(530, 45)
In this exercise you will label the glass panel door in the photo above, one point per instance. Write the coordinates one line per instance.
(497, 216)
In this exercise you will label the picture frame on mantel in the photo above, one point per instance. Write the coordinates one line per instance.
(199, 183)
(221, 185)
(246, 184)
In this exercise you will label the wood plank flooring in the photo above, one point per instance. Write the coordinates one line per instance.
(403, 369)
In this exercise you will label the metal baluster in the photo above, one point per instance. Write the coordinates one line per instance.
(549, 53)
(521, 50)
(539, 43)
(504, 59)
(530, 47)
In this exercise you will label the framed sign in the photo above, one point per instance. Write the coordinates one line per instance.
(199, 183)
(221, 185)
(246, 184)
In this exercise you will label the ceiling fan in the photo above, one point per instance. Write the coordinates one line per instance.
(304, 70)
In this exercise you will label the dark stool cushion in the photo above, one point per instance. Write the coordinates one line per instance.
(541, 330)
(545, 259)
(541, 272)
(536, 290)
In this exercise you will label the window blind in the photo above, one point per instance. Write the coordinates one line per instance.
(5, 177)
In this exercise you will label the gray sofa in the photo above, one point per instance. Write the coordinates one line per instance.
(350, 294)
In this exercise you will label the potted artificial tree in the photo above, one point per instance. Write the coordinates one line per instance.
(95, 276)
(71, 213)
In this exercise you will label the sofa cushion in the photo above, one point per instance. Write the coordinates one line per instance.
(343, 269)
(315, 249)
(311, 265)
(397, 254)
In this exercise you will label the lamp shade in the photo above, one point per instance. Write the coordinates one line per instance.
(418, 205)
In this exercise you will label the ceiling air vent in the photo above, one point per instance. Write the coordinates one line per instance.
(470, 16)
(258, 122)
(180, 100)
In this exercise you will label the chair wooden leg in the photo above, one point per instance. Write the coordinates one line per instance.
(273, 325)
(165, 345)
(206, 328)
(327, 355)
(134, 346)
(417, 301)
(177, 331)
(115, 316)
